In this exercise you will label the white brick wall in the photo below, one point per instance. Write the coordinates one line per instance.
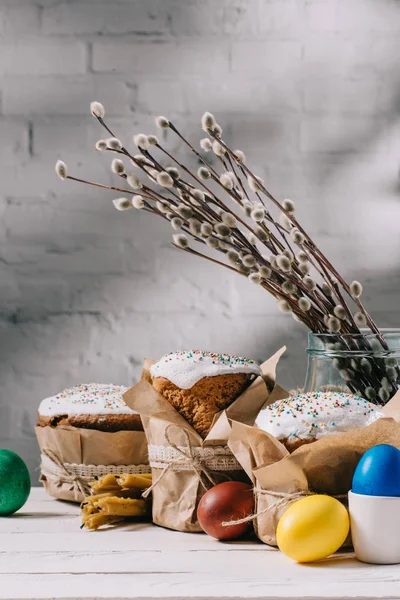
(308, 88)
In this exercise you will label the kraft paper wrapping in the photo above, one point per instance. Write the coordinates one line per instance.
(324, 467)
(178, 492)
(80, 446)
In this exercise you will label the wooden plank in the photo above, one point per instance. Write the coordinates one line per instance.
(78, 561)
(143, 538)
(381, 584)
(44, 554)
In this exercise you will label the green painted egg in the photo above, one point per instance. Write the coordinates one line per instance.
(15, 483)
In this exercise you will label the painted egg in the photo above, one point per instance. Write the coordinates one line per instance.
(15, 483)
(378, 472)
(228, 501)
(312, 528)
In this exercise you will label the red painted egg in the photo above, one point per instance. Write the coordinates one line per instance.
(228, 501)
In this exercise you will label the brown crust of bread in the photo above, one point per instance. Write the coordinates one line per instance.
(110, 423)
(199, 404)
(292, 444)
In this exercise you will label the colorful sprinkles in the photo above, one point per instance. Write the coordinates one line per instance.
(186, 367)
(88, 397)
(316, 414)
(199, 355)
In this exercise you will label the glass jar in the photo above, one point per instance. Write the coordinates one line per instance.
(365, 364)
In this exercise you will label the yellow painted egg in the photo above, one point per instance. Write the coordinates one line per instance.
(312, 528)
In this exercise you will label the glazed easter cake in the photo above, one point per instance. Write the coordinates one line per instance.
(85, 432)
(90, 406)
(200, 384)
(305, 418)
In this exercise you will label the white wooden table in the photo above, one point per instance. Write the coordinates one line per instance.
(44, 554)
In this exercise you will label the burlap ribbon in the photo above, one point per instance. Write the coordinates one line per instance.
(185, 459)
(63, 475)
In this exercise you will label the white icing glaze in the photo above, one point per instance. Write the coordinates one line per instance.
(186, 368)
(87, 399)
(316, 414)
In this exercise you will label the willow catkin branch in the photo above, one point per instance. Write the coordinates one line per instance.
(199, 156)
(294, 221)
(213, 260)
(100, 185)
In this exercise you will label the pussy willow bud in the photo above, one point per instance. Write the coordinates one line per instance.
(218, 149)
(249, 260)
(297, 237)
(284, 306)
(233, 256)
(217, 131)
(184, 211)
(370, 393)
(356, 289)
(304, 304)
(283, 263)
(176, 222)
(309, 283)
(339, 312)
(162, 122)
(122, 204)
(206, 229)
(347, 374)
(254, 278)
(203, 173)
(140, 160)
(208, 121)
(206, 144)
(334, 325)
(61, 169)
(304, 268)
(212, 242)
(223, 230)
(265, 272)
(134, 181)
(360, 319)
(137, 202)
(261, 234)
(100, 145)
(97, 110)
(288, 205)
(240, 156)
(289, 287)
(289, 254)
(229, 220)
(366, 365)
(153, 140)
(326, 289)
(164, 207)
(247, 208)
(164, 179)
(384, 395)
(114, 143)
(226, 180)
(195, 226)
(301, 257)
(180, 240)
(173, 171)
(141, 141)
(117, 166)
(255, 183)
(258, 214)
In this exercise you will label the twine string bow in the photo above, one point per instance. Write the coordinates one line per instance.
(186, 456)
(78, 484)
(284, 498)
